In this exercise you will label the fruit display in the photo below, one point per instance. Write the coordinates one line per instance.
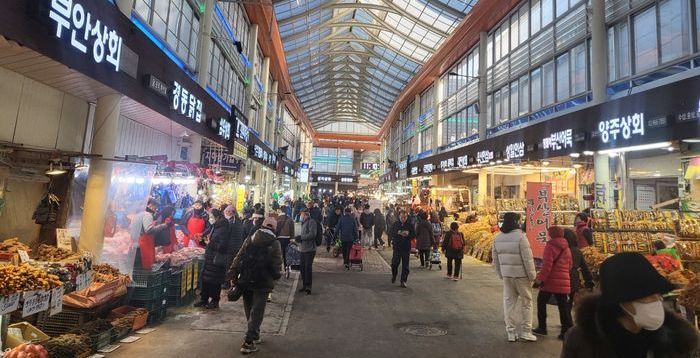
(52, 254)
(689, 250)
(25, 277)
(68, 346)
(689, 228)
(12, 245)
(27, 350)
(593, 258)
(664, 264)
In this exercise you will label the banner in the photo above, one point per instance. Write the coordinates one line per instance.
(240, 199)
(538, 215)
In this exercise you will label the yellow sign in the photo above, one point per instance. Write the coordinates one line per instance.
(189, 276)
(240, 198)
(240, 150)
(195, 276)
(183, 284)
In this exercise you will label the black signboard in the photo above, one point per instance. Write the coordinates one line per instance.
(261, 152)
(215, 157)
(322, 178)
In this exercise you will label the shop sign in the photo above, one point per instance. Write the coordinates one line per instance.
(324, 178)
(447, 163)
(240, 150)
(370, 166)
(515, 150)
(538, 215)
(185, 102)
(403, 164)
(559, 140)
(242, 131)
(9, 303)
(463, 161)
(600, 194)
(414, 170)
(303, 174)
(484, 156)
(625, 126)
(264, 155)
(428, 168)
(346, 180)
(35, 302)
(217, 157)
(156, 85)
(70, 15)
(222, 127)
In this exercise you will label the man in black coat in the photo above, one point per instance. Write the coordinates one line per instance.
(402, 232)
(236, 238)
(215, 260)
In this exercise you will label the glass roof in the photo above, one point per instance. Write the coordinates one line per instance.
(349, 59)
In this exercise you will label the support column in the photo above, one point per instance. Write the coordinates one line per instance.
(104, 143)
(601, 165)
(483, 121)
(276, 113)
(125, 7)
(437, 115)
(599, 51)
(204, 44)
(250, 73)
(265, 73)
(482, 188)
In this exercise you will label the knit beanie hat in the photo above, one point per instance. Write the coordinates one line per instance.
(629, 276)
(270, 222)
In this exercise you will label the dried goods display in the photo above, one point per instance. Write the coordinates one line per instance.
(25, 277)
(690, 295)
(639, 220)
(689, 228)
(689, 250)
(68, 346)
(616, 242)
(52, 253)
(563, 202)
(27, 350)
(12, 245)
(105, 273)
(680, 277)
(504, 205)
(478, 238)
(593, 258)
(93, 328)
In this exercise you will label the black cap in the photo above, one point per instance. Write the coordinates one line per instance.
(304, 210)
(630, 276)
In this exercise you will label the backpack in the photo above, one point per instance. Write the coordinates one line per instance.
(319, 234)
(437, 229)
(254, 266)
(456, 242)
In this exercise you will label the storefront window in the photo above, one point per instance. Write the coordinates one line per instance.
(645, 46)
(563, 77)
(674, 23)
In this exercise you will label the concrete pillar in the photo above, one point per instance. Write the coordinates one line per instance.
(599, 51)
(250, 73)
(272, 94)
(437, 114)
(482, 187)
(265, 74)
(483, 121)
(104, 143)
(204, 43)
(125, 6)
(601, 165)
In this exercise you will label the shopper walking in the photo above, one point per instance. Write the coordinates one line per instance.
(379, 228)
(284, 232)
(367, 222)
(554, 279)
(453, 246)
(583, 230)
(346, 229)
(235, 225)
(628, 319)
(402, 232)
(512, 259)
(215, 260)
(390, 220)
(307, 241)
(256, 268)
(578, 268)
(424, 239)
(333, 219)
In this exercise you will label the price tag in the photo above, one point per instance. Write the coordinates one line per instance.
(56, 305)
(36, 302)
(64, 240)
(23, 256)
(9, 303)
(81, 282)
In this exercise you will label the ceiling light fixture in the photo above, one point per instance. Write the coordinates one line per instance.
(55, 171)
(636, 148)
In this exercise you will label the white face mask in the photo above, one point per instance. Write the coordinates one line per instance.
(212, 221)
(649, 316)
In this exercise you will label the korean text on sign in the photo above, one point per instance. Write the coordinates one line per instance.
(625, 126)
(85, 31)
(559, 140)
(186, 103)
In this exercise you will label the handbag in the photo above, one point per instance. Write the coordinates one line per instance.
(235, 293)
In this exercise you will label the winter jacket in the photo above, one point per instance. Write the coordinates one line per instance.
(332, 220)
(584, 235)
(235, 226)
(451, 253)
(191, 214)
(316, 214)
(591, 336)
(346, 228)
(264, 239)
(401, 243)
(367, 219)
(379, 224)
(424, 235)
(442, 214)
(512, 256)
(579, 264)
(390, 219)
(285, 226)
(309, 229)
(555, 273)
(215, 272)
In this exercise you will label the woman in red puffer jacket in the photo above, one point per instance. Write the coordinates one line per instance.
(554, 279)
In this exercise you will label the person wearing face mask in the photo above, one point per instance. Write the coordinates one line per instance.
(196, 220)
(627, 319)
(215, 260)
(236, 237)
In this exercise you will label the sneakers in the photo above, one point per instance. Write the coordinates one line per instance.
(528, 337)
(448, 277)
(403, 285)
(200, 304)
(347, 267)
(512, 337)
(455, 278)
(393, 279)
(258, 341)
(540, 331)
(247, 348)
(308, 291)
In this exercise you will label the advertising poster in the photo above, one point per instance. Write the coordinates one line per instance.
(538, 215)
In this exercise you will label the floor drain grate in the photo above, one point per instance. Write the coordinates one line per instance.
(422, 330)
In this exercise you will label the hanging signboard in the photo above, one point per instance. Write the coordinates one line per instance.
(212, 157)
(240, 150)
(303, 174)
(538, 215)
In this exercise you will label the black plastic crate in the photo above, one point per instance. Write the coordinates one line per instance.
(147, 293)
(119, 334)
(147, 278)
(101, 340)
(177, 301)
(157, 316)
(150, 305)
(62, 322)
(175, 277)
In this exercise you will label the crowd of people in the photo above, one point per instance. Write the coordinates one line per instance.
(248, 253)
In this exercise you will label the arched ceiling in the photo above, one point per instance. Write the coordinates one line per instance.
(349, 59)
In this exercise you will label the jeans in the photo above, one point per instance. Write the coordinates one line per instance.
(346, 252)
(284, 242)
(254, 302)
(401, 257)
(378, 238)
(517, 304)
(458, 266)
(564, 310)
(424, 257)
(211, 291)
(307, 262)
(367, 237)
